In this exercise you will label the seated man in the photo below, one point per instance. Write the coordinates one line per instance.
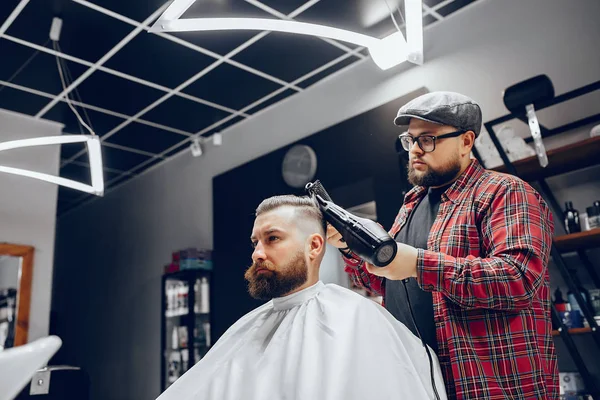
(310, 341)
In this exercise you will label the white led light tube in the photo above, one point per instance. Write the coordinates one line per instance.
(386, 53)
(95, 160)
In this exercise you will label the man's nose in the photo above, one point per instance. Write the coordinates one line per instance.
(415, 149)
(259, 253)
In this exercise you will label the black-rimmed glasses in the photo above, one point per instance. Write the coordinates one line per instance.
(425, 142)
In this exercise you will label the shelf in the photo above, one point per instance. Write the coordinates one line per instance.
(564, 159)
(574, 331)
(578, 241)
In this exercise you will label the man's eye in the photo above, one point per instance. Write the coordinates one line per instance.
(254, 244)
(273, 238)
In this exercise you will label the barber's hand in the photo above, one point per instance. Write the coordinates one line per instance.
(334, 238)
(403, 266)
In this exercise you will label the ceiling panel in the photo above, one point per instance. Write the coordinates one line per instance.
(275, 99)
(432, 3)
(136, 10)
(118, 159)
(177, 149)
(146, 138)
(287, 56)
(6, 7)
(161, 61)
(231, 87)
(117, 94)
(71, 149)
(185, 114)
(100, 122)
(82, 174)
(454, 6)
(327, 72)
(86, 34)
(19, 101)
(222, 126)
(284, 6)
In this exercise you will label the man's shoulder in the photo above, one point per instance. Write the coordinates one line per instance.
(492, 181)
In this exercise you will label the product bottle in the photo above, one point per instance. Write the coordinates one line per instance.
(196, 297)
(174, 339)
(572, 224)
(169, 294)
(206, 327)
(186, 290)
(204, 298)
(593, 213)
(562, 308)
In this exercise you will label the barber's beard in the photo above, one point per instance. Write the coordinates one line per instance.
(276, 283)
(431, 177)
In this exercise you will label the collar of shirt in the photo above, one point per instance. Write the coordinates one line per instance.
(464, 181)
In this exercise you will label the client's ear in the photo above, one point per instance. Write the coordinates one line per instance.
(316, 245)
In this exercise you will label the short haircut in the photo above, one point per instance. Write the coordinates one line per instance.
(304, 206)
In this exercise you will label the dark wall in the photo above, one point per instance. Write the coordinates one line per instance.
(359, 150)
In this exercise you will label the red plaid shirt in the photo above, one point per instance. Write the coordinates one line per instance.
(486, 264)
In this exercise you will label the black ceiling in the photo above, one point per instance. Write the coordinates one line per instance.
(129, 98)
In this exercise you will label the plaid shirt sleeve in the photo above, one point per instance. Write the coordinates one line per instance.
(360, 276)
(516, 235)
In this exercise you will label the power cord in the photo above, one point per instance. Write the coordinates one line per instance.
(392, 15)
(437, 396)
(64, 86)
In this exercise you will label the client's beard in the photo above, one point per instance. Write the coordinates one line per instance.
(432, 177)
(272, 284)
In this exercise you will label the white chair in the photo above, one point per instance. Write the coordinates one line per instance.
(19, 364)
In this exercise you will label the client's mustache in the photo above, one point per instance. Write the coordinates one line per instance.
(260, 265)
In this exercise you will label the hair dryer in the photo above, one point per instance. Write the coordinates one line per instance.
(364, 237)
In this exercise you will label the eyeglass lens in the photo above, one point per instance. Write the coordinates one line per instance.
(426, 143)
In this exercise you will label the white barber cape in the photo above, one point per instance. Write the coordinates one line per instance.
(324, 342)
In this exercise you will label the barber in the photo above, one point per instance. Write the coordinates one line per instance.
(473, 250)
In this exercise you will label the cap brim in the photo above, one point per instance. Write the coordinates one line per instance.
(404, 119)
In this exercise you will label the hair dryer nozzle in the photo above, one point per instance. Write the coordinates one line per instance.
(316, 189)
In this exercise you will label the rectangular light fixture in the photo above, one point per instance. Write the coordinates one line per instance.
(95, 160)
(386, 53)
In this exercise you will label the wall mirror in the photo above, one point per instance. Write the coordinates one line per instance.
(16, 270)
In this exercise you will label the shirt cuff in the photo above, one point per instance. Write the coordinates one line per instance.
(351, 260)
(430, 270)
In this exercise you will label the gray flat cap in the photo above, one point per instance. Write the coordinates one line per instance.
(444, 108)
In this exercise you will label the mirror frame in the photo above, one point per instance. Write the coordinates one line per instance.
(24, 290)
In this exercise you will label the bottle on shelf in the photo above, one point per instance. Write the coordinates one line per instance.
(171, 299)
(204, 307)
(183, 337)
(197, 297)
(185, 356)
(186, 291)
(175, 338)
(572, 223)
(578, 321)
(593, 215)
(562, 308)
(206, 326)
(174, 371)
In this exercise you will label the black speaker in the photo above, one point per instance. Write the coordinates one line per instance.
(536, 91)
